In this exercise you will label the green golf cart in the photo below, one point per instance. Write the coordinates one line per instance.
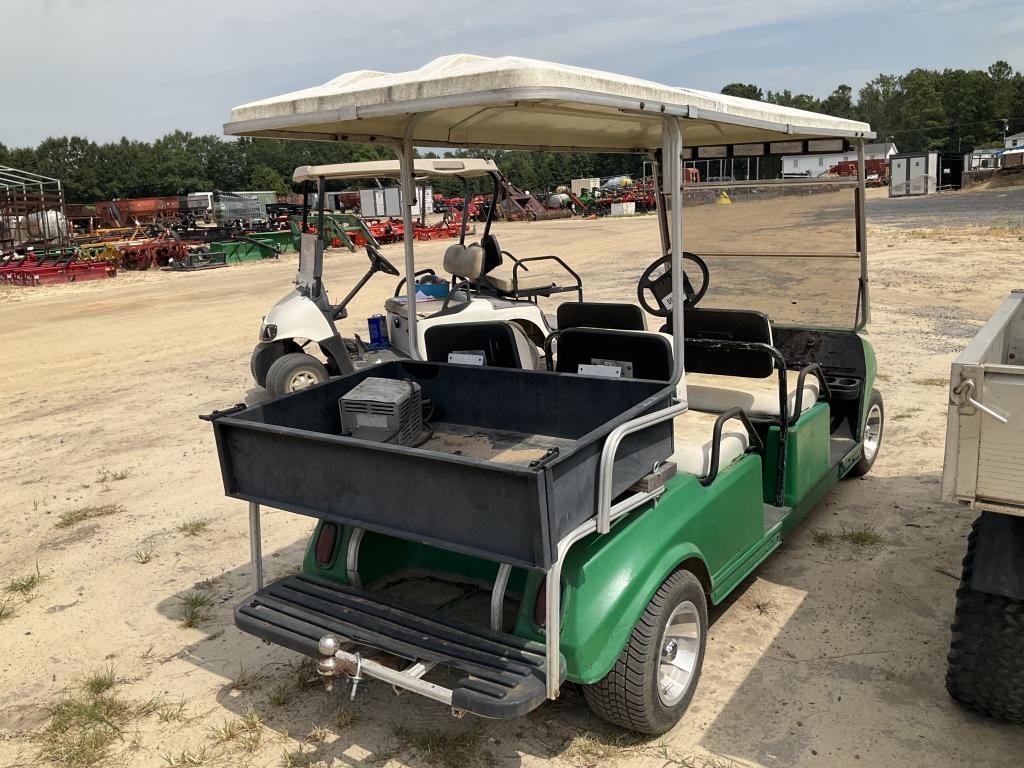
(500, 515)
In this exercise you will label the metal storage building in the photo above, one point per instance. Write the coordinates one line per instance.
(914, 173)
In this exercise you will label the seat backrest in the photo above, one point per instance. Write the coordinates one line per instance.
(492, 252)
(464, 261)
(648, 354)
(728, 325)
(502, 344)
(599, 314)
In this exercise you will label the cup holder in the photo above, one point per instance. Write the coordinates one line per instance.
(843, 387)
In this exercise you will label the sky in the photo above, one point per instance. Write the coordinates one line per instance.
(110, 68)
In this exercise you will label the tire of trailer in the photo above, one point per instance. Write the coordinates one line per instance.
(985, 669)
(875, 410)
(632, 695)
(294, 371)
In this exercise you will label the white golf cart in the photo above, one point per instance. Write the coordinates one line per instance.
(488, 284)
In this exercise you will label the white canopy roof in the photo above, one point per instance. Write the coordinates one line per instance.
(388, 169)
(465, 100)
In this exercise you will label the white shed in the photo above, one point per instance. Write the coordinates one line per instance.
(1014, 141)
(913, 174)
(818, 165)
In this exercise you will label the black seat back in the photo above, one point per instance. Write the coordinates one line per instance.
(728, 326)
(649, 353)
(495, 339)
(599, 314)
(492, 253)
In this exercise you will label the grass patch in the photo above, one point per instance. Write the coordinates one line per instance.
(865, 536)
(86, 722)
(252, 731)
(244, 680)
(169, 712)
(819, 536)
(280, 694)
(228, 731)
(588, 749)
(907, 414)
(296, 758)
(187, 757)
(194, 609)
(440, 747)
(346, 717)
(143, 556)
(8, 609)
(932, 381)
(765, 606)
(195, 526)
(105, 475)
(26, 585)
(80, 515)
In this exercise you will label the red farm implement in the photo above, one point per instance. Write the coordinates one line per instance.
(138, 255)
(53, 267)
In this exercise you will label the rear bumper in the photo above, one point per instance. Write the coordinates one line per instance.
(504, 674)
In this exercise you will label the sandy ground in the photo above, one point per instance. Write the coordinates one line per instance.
(832, 655)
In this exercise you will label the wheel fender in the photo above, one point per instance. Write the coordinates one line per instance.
(607, 589)
(264, 355)
(870, 371)
(298, 317)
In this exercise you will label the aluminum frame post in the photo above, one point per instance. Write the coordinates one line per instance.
(671, 158)
(255, 546)
(408, 187)
(862, 230)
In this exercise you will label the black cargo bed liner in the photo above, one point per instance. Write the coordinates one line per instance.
(505, 674)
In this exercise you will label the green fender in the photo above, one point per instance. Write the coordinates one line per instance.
(609, 580)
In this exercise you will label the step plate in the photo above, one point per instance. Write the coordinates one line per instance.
(505, 674)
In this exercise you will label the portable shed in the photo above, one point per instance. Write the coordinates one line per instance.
(914, 173)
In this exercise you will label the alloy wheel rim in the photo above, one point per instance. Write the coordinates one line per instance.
(301, 380)
(873, 432)
(678, 651)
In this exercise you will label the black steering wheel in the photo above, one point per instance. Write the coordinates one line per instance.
(660, 287)
(379, 263)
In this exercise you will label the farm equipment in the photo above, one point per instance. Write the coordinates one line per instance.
(39, 268)
(983, 470)
(598, 503)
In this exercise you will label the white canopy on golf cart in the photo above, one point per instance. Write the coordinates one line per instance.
(520, 103)
(391, 169)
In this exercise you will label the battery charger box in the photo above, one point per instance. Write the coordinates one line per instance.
(383, 411)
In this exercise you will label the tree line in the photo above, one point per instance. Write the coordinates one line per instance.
(952, 110)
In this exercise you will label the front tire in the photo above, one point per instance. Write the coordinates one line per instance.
(874, 425)
(986, 656)
(294, 371)
(655, 676)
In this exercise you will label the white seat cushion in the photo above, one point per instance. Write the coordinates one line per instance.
(500, 278)
(694, 436)
(464, 260)
(758, 397)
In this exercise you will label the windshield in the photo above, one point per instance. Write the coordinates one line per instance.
(786, 249)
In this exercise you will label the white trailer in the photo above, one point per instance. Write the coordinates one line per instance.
(387, 201)
(984, 469)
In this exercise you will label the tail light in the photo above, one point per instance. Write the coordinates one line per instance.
(325, 541)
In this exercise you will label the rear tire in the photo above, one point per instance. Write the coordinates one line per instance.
(294, 371)
(648, 689)
(873, 429)
(986, 656)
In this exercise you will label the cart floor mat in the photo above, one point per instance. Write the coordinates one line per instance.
(504, 674)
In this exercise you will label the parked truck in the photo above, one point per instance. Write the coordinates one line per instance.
(984, 469)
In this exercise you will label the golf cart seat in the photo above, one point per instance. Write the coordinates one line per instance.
(499, 344)
(600, 314)
(485, 267)
(648, 355)
(731, 362)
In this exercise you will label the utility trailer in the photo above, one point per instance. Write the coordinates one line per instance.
(598, 488)
(984, 469)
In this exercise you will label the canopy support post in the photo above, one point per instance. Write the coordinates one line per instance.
(672, 159)
(862, 232)
(408, 187)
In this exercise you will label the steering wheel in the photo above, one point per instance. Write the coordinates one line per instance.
(660, 287)
(379, 263)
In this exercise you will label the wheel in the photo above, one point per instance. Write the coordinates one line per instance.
(985, 669)
(654, 678)
(294, 371)
(873, 427)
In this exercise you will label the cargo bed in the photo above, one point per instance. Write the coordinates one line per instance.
(511, 468)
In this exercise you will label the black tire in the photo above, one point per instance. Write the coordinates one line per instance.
(866, 462)
(628, 695)
(986, 656)
(285, 373)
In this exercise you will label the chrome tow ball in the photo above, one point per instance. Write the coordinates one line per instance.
(328, 666)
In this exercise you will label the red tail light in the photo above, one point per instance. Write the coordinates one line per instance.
(325, 541)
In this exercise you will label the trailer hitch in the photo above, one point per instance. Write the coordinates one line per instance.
(332, 664)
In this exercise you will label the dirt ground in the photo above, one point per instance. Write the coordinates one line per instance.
(833, 654)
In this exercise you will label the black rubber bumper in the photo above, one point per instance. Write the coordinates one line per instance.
(505, 674)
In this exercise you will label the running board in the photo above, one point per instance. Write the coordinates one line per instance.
(505, 674)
